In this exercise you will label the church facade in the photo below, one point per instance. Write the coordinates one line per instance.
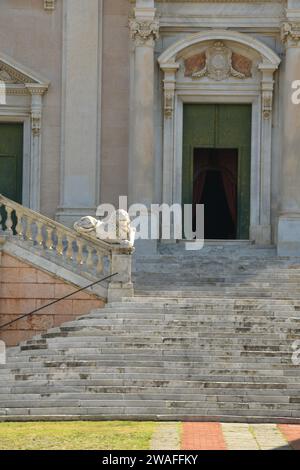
(168, 101)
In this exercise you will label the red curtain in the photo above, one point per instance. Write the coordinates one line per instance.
(228, 167)
(224, 161)
(201, 166)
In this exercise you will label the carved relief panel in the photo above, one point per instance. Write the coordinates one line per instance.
(218, 62)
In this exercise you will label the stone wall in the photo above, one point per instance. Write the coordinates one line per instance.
(115, 100)
(24, 288)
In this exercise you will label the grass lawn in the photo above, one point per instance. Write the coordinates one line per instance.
(76, 436)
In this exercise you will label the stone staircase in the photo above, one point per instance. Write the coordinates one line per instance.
(208, 336)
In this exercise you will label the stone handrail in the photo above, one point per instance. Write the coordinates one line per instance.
(90, 255)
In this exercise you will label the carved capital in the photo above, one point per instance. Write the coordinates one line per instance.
(144, 32)
(290, 34)
(49, 5)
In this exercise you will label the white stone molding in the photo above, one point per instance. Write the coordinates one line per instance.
(220, 35)
(21, 101)
(256, 89)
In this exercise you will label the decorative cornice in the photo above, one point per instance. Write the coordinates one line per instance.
(144, 32)
(36, 89)
(11, 75)
(290, 33)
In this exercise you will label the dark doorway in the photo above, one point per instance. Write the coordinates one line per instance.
(11, 160)
(215, 186)
(11, 164)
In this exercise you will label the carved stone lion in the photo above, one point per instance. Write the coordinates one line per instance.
(117, 229)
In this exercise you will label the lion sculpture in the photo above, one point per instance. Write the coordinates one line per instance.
(117, 229)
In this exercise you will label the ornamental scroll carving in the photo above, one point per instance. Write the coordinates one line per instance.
(218, 63)
(290, 33)
(144, 33)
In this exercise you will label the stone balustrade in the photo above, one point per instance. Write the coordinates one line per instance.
(88, 255)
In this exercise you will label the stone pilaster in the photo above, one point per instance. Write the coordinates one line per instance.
(81, 105)
(36, 91)
(170, 71)
(289, 217)
(263, 231)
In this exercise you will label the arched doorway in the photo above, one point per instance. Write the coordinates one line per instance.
(225, 68)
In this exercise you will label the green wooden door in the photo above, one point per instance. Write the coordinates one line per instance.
(11, 160)
(219, 126)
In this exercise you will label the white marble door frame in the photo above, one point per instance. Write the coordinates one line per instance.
(257, 92)
(21, 101)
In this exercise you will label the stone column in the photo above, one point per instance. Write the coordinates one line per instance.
(36, 91)
(144, 30)
(289, 217)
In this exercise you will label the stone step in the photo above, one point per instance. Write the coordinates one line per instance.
(136, 360)
(157, 396)
(191, 298)
(220, 357)
(208, 336)
(150, 413)
(158, 312)
(124, 386)
(168, 405)
(88, 378)
(236, 371)
(183, 326)
(126, 334)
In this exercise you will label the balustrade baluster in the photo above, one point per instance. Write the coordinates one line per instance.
(19, 227)
(69, 252)
(49, 241)
(39, 235)
(79, 255)
(60, 246)
(99, 267)
(90, 260)
(28, 228)
(9, 222)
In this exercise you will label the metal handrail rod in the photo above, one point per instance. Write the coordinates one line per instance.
(56, 301)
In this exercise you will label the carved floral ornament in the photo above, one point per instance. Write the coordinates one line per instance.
(144, 32)
(290, 33)
(267, 105)
(218, 63)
